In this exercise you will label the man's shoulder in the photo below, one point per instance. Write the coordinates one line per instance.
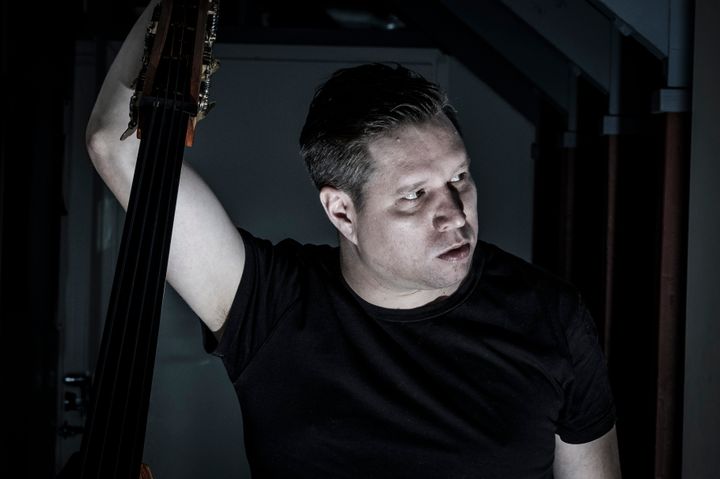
(535, 298)
(504, 269)
(292, 250)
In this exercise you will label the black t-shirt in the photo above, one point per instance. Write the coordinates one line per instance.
(473, 386)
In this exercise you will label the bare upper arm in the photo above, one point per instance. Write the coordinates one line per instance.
(597, 459)
(207, 253)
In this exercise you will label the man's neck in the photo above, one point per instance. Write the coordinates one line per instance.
(375, 292)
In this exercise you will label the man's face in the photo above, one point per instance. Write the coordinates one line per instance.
(417, 229)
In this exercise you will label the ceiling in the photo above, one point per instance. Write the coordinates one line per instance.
(516, 46)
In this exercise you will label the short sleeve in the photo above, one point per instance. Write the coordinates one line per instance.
(589, 410)
(268, 288)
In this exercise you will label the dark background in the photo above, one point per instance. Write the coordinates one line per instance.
(656, 336)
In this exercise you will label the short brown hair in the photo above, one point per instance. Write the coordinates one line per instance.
(355, 106)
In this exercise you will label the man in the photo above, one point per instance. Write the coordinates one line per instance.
(413, 349)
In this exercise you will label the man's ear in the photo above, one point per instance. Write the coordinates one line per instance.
(340, 210)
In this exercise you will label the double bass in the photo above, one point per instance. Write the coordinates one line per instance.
(171, 96)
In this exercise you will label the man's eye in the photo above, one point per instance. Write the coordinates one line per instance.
(413, 195)
(457, 178)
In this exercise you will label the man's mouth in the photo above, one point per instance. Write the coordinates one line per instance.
(458, 253)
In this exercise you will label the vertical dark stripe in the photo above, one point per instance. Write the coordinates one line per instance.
(671, 327)
(610, 237)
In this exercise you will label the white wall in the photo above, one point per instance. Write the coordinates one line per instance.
(499, 141)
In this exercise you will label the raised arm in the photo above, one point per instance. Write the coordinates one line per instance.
(596, 459)
(206, 253)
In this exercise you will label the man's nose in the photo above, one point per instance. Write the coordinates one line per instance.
(449, 213)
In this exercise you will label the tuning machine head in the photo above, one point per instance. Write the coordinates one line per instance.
(210, 64)
(139, 83)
